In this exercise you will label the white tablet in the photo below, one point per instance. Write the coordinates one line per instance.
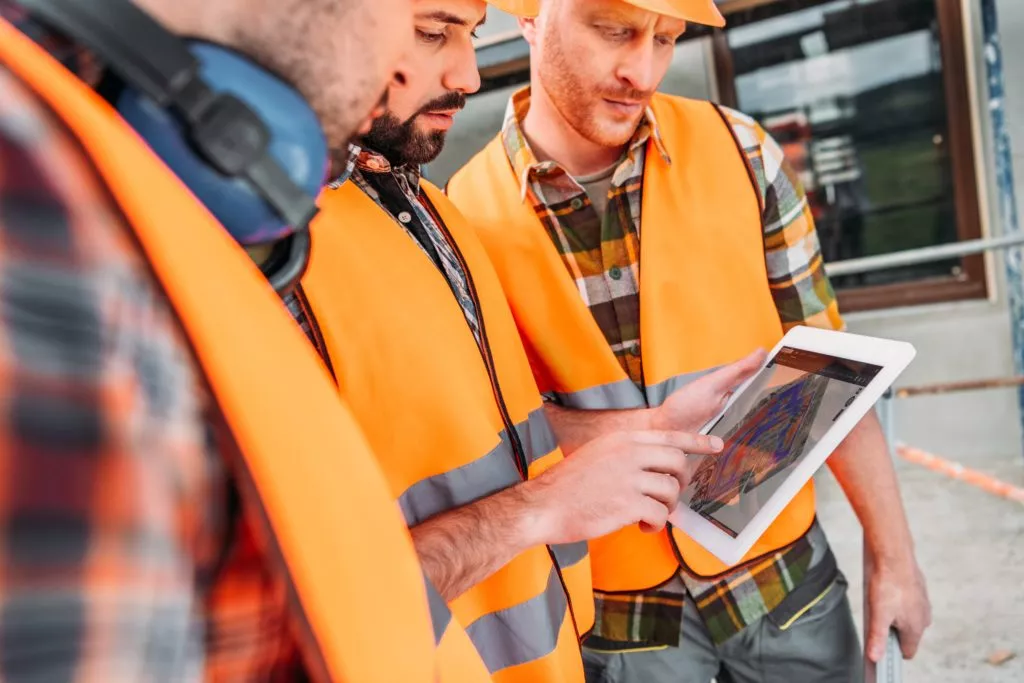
(779, 428)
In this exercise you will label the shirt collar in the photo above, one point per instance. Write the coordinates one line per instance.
(369, 161)
(347, 169)
(525, 163)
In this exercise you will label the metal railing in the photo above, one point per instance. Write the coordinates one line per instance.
(913, 257)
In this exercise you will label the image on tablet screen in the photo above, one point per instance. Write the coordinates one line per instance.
(777, 420)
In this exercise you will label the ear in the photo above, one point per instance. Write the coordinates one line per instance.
(529, 29)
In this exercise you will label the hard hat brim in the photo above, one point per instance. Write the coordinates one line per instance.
(698, 12)
(520, 8)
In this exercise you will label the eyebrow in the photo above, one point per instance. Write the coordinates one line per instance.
(449, 18)
(614, 15)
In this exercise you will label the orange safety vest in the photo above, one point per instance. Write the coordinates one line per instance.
(351, 563)
(705, 301)
(450, 420)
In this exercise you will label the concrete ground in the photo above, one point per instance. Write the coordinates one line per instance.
(971, 547)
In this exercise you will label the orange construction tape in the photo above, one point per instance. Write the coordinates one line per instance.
(985, 482)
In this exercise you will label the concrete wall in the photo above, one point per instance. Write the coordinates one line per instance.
(955, 341)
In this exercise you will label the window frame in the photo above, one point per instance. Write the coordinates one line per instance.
(972, 282)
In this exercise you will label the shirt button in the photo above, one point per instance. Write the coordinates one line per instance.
(635, 350)
(615, 273)
(576, 204)
(405, 217)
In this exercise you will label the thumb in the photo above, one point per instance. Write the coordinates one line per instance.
(728, 379)
(878, 633)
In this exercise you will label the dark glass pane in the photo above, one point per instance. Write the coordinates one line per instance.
(853, 90)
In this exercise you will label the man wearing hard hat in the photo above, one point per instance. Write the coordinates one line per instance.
(730, 261)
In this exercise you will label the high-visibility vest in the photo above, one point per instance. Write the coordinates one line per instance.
(704, 301)
(450, 421)
(349, 560)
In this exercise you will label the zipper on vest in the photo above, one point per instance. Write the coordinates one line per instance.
(518, 452)
(315, 335)
(485, 353)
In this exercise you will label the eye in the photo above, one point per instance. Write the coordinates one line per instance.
(473, 34)
(664, 40)
(430, 38)
(617, 33)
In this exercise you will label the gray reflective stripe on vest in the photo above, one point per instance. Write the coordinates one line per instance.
(523, 633)
(485, 476)
(657, 393)
(568, 554)
(440, 614)
(536, 435)
(624, 395)
(619, 395)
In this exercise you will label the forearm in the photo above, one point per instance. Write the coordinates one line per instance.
(462, 547)
(574, 428)
(863, 467)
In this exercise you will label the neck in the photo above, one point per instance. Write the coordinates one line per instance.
(552, 138)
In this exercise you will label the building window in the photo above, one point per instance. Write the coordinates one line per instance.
(869, 100)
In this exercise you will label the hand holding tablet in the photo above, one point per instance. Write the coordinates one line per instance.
(779, 428)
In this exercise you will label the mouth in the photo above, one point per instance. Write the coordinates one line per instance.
(626, 107)
(442, 119)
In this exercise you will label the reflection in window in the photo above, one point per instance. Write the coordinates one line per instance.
(853, 90)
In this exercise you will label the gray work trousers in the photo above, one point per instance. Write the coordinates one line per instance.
(820, 646)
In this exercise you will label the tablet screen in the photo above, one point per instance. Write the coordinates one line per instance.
(771, 426)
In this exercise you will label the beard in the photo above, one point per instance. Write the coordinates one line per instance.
(401, 143)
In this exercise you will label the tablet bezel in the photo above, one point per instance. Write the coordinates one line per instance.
(892, 356)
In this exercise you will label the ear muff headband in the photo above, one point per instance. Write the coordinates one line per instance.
(245, 142)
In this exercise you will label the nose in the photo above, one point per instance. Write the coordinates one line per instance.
(637, 68)
(462, 74)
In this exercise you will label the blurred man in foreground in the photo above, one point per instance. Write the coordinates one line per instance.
(184, 497)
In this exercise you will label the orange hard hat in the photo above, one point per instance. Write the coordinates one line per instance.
(697, 11)
(520, 8)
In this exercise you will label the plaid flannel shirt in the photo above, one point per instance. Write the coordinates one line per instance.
(602, 254)
(123, 552)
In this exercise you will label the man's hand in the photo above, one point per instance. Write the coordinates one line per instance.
(614, 481)
(897, 597)
(692, 406)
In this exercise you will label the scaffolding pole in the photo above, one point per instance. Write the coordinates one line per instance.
(889, 669)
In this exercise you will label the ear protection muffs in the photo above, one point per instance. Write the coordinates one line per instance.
(242, 140)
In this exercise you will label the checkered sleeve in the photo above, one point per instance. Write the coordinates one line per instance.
(796, 270)
(103, 455)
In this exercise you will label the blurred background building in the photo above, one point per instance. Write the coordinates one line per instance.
(895, 114)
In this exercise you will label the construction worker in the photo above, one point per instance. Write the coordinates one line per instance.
(185, 498)
(408, 315)
(616, 317)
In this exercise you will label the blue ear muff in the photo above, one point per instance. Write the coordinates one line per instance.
(296, 143)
